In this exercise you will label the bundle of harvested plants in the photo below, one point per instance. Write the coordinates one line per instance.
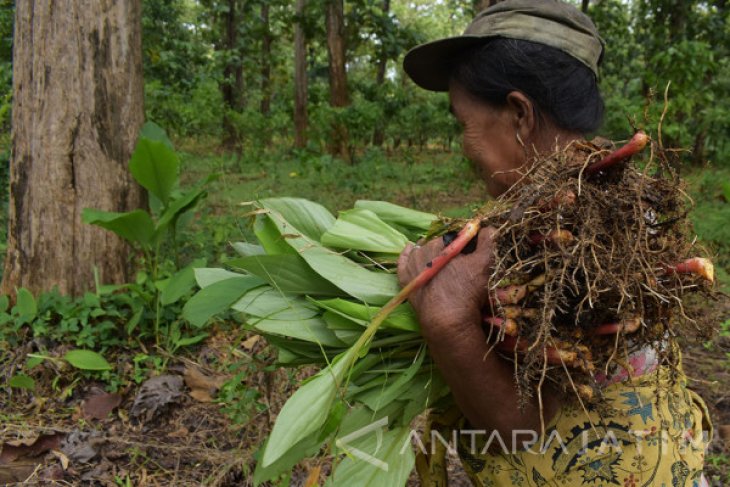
(593, 259)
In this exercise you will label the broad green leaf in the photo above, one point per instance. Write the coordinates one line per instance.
(338, 321)
(152, 131)
(361, 229)
(308, 218)
(134, 320)
(135, 226)
(375, 458)
(25, 305)
(375, 399)
(307, 409)
(245, 249)
(180, 283)
(155, 167)
(306, 448)
(185, 202)
(311, 330)
(402, 318)
(267, 302)
(369, 286)
(424, 392)
(217, 298)
(4, 302)
(287, 273)
(86, 360)
(22, 381)
(269, 236)
(205, 276)
(398, 215)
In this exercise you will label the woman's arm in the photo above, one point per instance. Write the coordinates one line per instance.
(449, 309)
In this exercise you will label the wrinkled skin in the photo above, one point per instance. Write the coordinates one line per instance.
(449, 308)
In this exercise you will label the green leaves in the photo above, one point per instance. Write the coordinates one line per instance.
(134, 226)
(217, 298)
(86, 360)
(398, 215)
(317, 302)
(306, 217)
(155, 167)
(360, 229)
(307, 410)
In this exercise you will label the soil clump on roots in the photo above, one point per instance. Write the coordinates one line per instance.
(591, 265)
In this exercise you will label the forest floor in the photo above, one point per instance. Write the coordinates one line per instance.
(199, 416)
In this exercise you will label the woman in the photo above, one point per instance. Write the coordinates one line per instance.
(522, 78)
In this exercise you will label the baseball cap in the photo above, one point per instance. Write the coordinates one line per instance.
(550, 22)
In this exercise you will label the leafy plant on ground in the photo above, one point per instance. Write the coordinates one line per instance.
(156, 167)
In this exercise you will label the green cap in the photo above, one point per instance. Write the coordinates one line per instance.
(550, 22)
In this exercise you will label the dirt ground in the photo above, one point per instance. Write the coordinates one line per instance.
(173, 433)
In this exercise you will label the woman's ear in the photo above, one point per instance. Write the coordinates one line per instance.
(522, 112)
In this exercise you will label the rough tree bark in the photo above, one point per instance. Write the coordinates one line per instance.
(337, 74)
(300, 78)
(77, 109)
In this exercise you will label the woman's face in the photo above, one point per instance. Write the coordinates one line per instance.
(490, 139)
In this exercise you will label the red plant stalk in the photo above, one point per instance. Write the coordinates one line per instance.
(634, 146)
(470, 230)
(697, 265)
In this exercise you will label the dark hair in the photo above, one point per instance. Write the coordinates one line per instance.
(559, 85)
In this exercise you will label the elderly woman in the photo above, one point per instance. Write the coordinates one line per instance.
(523, 77)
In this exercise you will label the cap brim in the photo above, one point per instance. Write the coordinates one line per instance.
(429, 65)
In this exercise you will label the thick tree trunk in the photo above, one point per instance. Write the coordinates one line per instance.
(232, 84)
(266, 41)
(379, 134)
(300, 79)
(77, 109)
(337, 74)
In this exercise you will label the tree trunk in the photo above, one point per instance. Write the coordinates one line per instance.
(77, 109)
(232, 84)
(266, 41)
(379, 134)
(584, 6)
(300, 79)
(337, 74)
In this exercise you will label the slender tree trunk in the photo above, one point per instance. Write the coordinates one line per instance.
(337, 74)
(300, 79)
(379, 134)
(77, 109)
(266, 41)
(232, 84)
(584, 6)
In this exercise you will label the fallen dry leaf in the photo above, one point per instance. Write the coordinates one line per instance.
(19, 459)
(155, 395)
(202, 387)
(100, 404)
(82, 446)
(249, 343)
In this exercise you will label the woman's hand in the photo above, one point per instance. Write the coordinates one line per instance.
(456, 295)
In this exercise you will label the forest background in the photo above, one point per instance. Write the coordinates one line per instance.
(308, 98)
